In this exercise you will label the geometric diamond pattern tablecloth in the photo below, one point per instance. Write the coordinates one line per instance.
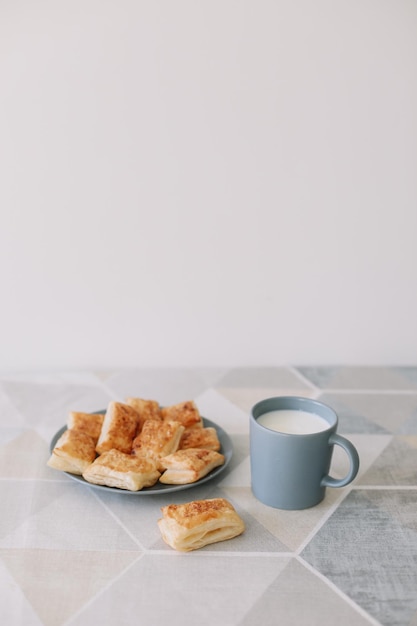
(70, 554)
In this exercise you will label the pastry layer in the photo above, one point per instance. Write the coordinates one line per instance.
(125, 471)
(146, 409)
(73, 452)
(186, 413)
(200, 438)
(119, 428)
(158, 438)
(188, 466)
(90, 423)
(196, 524)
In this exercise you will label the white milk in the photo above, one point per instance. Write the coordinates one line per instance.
(293, 422)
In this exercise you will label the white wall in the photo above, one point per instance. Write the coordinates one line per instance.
(208, 182)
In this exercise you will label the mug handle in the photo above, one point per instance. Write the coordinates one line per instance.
(352, 453)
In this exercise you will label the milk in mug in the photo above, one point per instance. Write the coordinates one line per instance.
(293, 421)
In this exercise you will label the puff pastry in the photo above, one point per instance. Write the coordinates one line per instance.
(158, 439)
(89, 423)
(73, 452)
(196, 524)
(146, 409)
(186, 413)
(119, 428)
(200, 438)
(125, 471)
(188, 466)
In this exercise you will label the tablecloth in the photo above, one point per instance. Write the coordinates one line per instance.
(72, 554)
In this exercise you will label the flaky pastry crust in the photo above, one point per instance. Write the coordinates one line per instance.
(188, 466)
(186, 413)
(119, 428)
(73, 452)
(158, 439)
(196, 524)
(90, 423)
(205, 438)
(125, 471)
(146, 409)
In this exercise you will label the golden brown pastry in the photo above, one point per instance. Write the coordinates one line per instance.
(158, 439)
(73, 452)
(188, 466)
(146, 409)
(124, 471)
(186, 413)
(89, 423)
(200, 438)
(119, 428)
(196, 524)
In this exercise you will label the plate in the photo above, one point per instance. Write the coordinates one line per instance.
(160, 488)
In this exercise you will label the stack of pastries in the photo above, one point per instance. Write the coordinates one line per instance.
(137, 443)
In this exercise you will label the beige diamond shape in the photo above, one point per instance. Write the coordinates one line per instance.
(15, 609)
(292, 528)
(191, 589)
(299, 596)
(25, 457)
(59, 583)
(43, 529)
(369, 448)
(411, 440)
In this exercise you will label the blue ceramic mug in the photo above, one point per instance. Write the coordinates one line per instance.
(291, 447)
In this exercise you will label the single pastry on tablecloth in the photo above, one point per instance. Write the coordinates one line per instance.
(196, 524)
(73, 452)
(119, 428)
(188, 466)
(125, 471)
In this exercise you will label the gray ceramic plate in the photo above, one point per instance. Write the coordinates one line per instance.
(159, 488)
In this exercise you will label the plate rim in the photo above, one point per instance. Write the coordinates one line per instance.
(226, 450)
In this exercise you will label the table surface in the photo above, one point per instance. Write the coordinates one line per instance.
(72, 554)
